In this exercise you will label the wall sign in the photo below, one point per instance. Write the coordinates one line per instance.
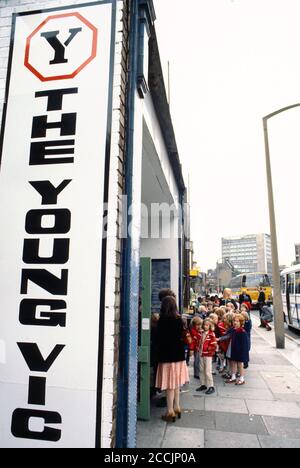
(55, 152)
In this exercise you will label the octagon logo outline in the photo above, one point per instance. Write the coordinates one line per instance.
(78, 69)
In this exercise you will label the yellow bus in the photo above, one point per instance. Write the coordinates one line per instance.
(250, 283)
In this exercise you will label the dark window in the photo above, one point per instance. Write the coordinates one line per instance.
(291, 283)
(298, 282)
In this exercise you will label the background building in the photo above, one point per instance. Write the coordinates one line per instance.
(224, 272)
(197, 281)
(211, 282)
(297, 249)
(248, 254)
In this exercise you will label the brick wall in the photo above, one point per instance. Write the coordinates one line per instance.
(114, 245)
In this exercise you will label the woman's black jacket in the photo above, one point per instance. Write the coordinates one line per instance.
(170, 343)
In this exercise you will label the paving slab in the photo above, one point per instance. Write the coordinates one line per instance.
(291, 353)
(287, 397)
(191, 402)
(275, 359)
(253, 373)
(228, 440)
(271, 442)
(282, 382)
(241, 423)
(256, 360)
(263, 348)
(272, 368)
(194, 382)
(150, 434)
(219, 383)
(274, 408)
(197, 420)
(283, 427)
(256, 339)
(246, 393)
(256, 382)
(176, 438)
(226, 405)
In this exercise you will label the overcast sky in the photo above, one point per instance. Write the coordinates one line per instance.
(233, 62)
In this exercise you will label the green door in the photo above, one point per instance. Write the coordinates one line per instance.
(145, 341)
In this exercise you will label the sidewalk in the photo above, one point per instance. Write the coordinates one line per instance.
(265, 413)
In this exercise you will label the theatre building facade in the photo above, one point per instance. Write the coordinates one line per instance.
(94, 219)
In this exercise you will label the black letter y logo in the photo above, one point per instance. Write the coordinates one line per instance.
(58, 47)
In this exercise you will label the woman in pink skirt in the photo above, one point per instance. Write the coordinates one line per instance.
(172, 370)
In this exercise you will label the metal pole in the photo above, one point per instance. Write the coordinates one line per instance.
(277, 300)
(169, 84)
(278, 305)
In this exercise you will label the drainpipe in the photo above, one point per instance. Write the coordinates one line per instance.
(127, 381)
(181, 238)
(186, 250)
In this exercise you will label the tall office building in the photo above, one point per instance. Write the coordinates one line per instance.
(249, 254)
(297, 249)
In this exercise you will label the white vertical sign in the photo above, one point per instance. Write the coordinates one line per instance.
(55, 145)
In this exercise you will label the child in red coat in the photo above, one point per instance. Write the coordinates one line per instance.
(207, 351)
(225, 341)
(195, 331)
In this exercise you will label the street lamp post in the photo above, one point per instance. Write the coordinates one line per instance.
(278, 306)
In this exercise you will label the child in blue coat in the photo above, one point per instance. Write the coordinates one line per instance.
(239, 350)
(247, 326)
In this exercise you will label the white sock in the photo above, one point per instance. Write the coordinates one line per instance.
(233, 377)
(242, 379)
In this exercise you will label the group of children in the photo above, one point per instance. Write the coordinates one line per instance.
(221, 335)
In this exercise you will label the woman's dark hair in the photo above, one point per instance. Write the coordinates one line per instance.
(165, 293)
(169, 308)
